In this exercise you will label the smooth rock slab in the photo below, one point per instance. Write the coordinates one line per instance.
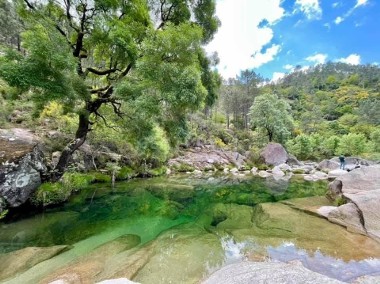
(368, 204)
(337, 173)
(346, 215)
(268, 273)
(23, 259)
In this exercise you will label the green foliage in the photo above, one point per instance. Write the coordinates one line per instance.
(183, 168)
(369, 111)
(90, 63)
(352, 144)
(272, 114)
(98, 177)
(330, 145)
(51, 193)
(301, 146)
(375, 140)
(157, 171)
(3, 214)
(340, 201)
(76, 181)
(125, 173)
(54, 193)
(155, 148)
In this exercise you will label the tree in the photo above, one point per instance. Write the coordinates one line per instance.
(248, 83)
(141, 58)
(10, 25)
(369, 111)
(271, 114)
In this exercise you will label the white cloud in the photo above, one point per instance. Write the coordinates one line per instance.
(336, 4)
(288, 67)
(360, 3)
(353, 59)
(310, 8)
(239, 36)
(277, 76)
(338, 20)
(318, 58)
(260, 58)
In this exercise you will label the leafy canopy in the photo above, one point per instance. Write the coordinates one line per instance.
(272, 115)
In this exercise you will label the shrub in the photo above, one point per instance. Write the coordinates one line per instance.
(157, 171)
(375, 140)
(352, 144)
(219, 143)
(300, 146)
(77, 181)
(3, 214)
(125, 173)
(51, 193)
(339, 201)
(54, 193)
(330, 145)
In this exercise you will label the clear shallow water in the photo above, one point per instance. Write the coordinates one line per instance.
(188, 212)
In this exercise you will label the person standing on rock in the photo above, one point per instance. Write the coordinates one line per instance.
(342, 162)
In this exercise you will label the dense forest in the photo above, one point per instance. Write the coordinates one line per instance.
(133, 77)
(317, 112)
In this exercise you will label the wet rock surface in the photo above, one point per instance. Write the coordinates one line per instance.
(21, 260)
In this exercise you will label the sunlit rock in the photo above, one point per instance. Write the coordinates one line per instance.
(267, 272)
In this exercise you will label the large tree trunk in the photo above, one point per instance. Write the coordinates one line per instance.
(67, 152)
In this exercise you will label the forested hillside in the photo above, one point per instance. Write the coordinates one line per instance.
(134, 79)
(318, 112)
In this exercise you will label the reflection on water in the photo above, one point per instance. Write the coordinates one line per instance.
(189, 225)
(324, 264)
(234, 251)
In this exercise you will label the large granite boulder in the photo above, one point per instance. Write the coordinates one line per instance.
(267, 272)
(328, 165)
(21, 166)
(361, 188)
(351, 164)
(274, 154)
(206, 158)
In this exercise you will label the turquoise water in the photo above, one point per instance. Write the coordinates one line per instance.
(183, 199)
(188, 227)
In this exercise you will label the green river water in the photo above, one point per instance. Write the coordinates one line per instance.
(179, 229)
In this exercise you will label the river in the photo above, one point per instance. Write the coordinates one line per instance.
(179, 229)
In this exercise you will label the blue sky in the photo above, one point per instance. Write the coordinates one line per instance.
(273, 36)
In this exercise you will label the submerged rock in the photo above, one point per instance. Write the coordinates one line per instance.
(182, 255)
(87, 268)
(21, 260)
(297, 221)
(268, 273)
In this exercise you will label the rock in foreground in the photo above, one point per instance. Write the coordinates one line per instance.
(21, 166)
(361, 188)
(268, 273)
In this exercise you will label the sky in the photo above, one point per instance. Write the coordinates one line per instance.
(271, 37)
